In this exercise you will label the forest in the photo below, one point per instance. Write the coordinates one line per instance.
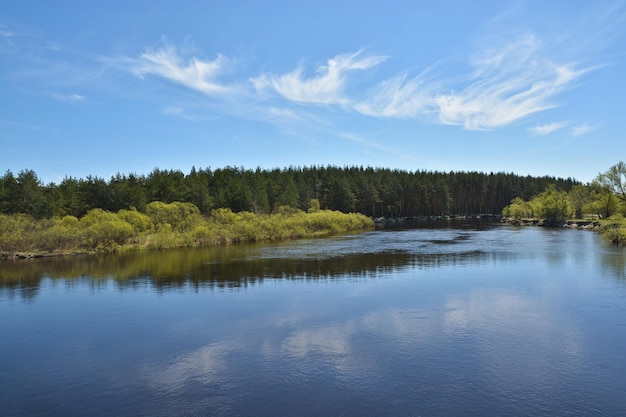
(374, 192)
(169, 209)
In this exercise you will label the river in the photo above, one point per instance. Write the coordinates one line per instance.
(462, 320)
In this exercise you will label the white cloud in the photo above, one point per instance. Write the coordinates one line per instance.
(541, 130)
(326, 87)
(399, 97)
(581, 130)
(203, 364)
(194, 73)
(327, 340)
(507, 83)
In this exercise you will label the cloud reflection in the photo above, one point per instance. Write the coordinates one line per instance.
(203, 365)
(516, 338)
(330, 341)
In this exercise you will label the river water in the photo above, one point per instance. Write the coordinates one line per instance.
(463, 320)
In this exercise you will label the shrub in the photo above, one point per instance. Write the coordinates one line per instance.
(141, 222)
(181, 216)
(101, 228)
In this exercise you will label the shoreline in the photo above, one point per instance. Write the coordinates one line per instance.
(570, 224)
(613, 231)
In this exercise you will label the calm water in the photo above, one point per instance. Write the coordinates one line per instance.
(423, 322)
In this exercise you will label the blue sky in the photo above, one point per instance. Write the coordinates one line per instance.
(530, 87)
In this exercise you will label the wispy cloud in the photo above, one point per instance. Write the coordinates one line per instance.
(541, 130)
(68, 98)
(174, 111)
(296, 115)
(507, 83)
(400, 97)
(326, 87)
(373, 146)
(196, 114)
(507, 79)
(168, 62)
(581, 130)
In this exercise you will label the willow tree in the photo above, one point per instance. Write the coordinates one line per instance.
(614, 180)
(552, 204)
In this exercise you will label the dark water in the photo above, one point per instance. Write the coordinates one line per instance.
(424, 322)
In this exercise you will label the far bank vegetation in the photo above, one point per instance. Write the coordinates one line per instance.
(602, 202)
(169, 225)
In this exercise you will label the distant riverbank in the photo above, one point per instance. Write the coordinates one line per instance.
(164, 226)
(612, 229)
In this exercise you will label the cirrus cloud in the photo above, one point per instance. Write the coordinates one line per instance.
(169, 62)
(326, 87)
(581, 130)
(507, 83)
(541, 130)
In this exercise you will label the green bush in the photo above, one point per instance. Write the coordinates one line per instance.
(101, 228)
(614, 229)
(141, 222)
(181, 216)
(63, 234)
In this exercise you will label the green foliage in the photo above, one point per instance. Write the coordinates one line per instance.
(614, 229)
(602, 202)
(372, 192)
(518, 209)
(19, 233)
(141, 222)
(614, 180)
(63, 234)
(165, 237)
(578, 198)
(237, 202)
(180, 216)
(175, 225)
(599, 200)
(103, 229)
(551, 204)
(314, 205)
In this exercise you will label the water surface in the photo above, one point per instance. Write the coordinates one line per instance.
(454, 321)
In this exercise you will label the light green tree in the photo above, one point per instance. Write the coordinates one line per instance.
(578, 197)
(614, 180)
(314, 205)
(551, 204)
(518, 209)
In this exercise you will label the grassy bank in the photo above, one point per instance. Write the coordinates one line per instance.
(613, 229)
(165, 226)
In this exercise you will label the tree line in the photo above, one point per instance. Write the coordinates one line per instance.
(374, 192)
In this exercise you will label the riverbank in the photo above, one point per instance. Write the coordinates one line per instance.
(612, 229)
(164, 226)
